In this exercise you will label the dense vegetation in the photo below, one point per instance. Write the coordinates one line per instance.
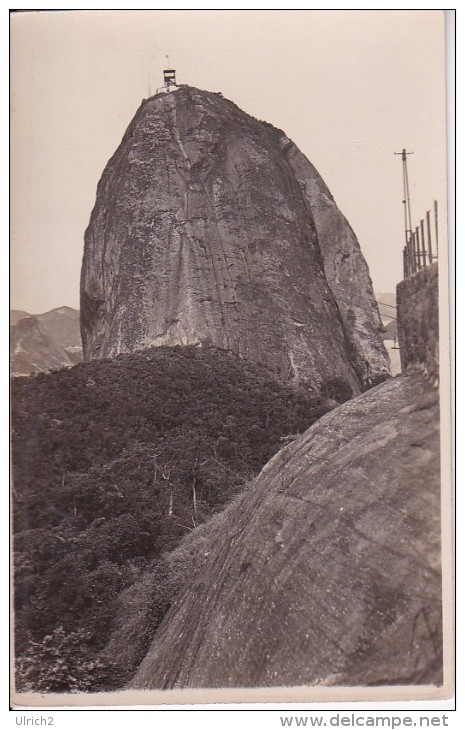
(114, 461)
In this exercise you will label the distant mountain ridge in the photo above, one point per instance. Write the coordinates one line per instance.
(44, 342)
(16, 315)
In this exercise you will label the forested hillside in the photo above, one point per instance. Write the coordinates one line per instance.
(114, 461)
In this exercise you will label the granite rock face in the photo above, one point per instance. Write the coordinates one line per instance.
(328, 570)
(345, 267)
(211, 228)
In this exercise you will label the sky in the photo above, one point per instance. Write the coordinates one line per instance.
(348, 87)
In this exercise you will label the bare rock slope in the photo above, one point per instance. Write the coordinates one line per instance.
(210, 227)
(328, 570)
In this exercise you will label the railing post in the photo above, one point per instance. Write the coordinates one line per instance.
(418, 250)
(412, 250)
(423, 247)
(409, 257)
(436, 226)
(428, 234)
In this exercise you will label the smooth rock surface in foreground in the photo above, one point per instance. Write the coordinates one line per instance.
(328, 570)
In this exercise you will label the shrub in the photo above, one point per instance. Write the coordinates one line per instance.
(61, 662)
(376, 380)
(337, 389)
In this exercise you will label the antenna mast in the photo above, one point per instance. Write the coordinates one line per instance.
(406, 200)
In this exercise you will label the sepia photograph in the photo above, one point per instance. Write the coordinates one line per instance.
(229, 357)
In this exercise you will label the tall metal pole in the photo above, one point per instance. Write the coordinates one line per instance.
(436, 226)
(407, 189)
(406, 200)
(417, 239)
(423, 246)
(411, 250)
(407, 210)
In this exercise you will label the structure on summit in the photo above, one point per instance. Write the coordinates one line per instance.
(169, 78)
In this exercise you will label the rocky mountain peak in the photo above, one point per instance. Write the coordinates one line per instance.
(43, 342)
(212, 228)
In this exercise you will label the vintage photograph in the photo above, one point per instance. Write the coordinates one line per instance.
(229, 341)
